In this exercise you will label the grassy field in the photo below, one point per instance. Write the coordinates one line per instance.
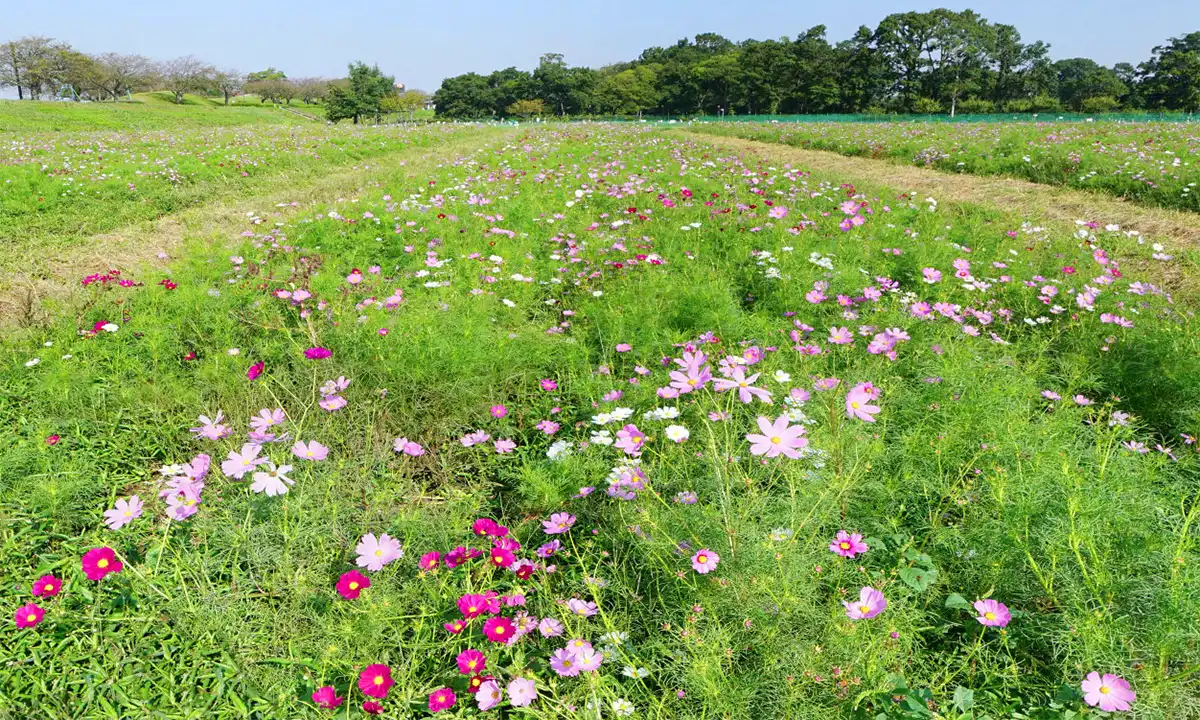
(659, 429)
(147, 111)
(1156, 164)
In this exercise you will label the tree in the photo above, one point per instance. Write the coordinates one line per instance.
(1171, 78)
(311, 90)
(24, 64)
(229, 83)
(186, 74)
(960, 41)
(629, 92)
(361, 96)
(268, 74)
(120, 74)
(525, 108)
(464, 97)
(1080, 79)
(507, 86)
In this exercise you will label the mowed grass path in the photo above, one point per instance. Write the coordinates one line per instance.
(1031, 391)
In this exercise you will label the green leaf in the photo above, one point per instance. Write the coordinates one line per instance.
(954, 600)
(964, 698)
(918, 579)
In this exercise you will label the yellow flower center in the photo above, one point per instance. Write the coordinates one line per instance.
(308, 453)
(1104, 689)
(472, 608)
(776, 440)
(471, 664)
(353, 584)
(743, 384)
(379, 553)
(844, 545)
(49, 588)
(31, 617)
(990, 615)
(703, 558)
(864, 609)
(692, 382)
(127, 513)
(500, 630)
(378, 679)
(854, 404)
(102, 563)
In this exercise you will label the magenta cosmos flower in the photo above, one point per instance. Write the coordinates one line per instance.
(471, 662)
(255, 370)
(499, 411)
(99, 562)
(858, 402)
(375, 681)
(327, 697)
(350, 584)
(705, 561)
(1109, 693)
(992, 613)
(125, 512)
(443, 699)
(558, 523)
(498, 629)
(317, 353)
(777, 438)
(28, 615)
(848, 544)
(430, 561)
(46, 586)
(870, 603)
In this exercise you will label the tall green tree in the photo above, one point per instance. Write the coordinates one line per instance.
(1170, 79)
(361, 96)
(464, 97)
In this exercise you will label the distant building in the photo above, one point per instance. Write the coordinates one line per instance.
(399, 87)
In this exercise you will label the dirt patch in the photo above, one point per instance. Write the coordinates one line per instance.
(1030, 200)
(37, 282)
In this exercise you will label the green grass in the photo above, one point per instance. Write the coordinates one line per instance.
(1149, 163)
(533, 259)
(151, 111)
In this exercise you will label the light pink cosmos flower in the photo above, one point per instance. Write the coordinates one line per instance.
(313, 450)
(841, 336)
(241, 462)
(582, 608)
(778, 438)
(558, 523)
(374, 553)
(870, 603)
(550, 627)
(183, 504)
(266, 419)
(848, 545)
(563, 663)
(273, 480)
(858, 402)
(488, 696)
(705, 561)
(212, 429)
(125, 512)
(505, 446)
(746, 390)
(406, 446)
(630, 439)
(778, 212)
(522, 692)
(588, 659)
(992, 613)
(1110, 693)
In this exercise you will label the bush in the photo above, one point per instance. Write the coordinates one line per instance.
(927, 106)
(1101, 104)
(976, 106)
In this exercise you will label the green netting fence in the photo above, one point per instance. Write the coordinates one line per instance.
(886, 118)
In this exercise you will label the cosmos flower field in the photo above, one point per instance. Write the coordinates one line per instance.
(607, 422)
(1152, 163)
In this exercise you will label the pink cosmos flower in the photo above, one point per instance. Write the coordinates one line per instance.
(744, 385)
(184, 502)
(430, 561)
(705, 561)
(46, 586)
(371, 707)
(858, 402)
(255, 370)
(870, 603)
(582, 608)
(472, 605)
(312, 450)
(99, 562)
(563, 663)
(1110, 693)
(28, 615)
(499, 411)
(992, 613)
(237, 464)
(841, 336)
(630, 439)
(498, 629)
(374, 553)
(550, 627)
(406, 446)
(587, 659)
(350, 584)
(440, 700)
(471, 662)
(504, 447)
(125, 512)
(522, 692)
(488, 696)
(558, 523)
(548, 385)
(327, 697)
(272, 480)
(778, 438)
(624, 347)
(317, 353)
(848, 545)
(501, 557)
(778, 212)
(375, 681)
(212, 429)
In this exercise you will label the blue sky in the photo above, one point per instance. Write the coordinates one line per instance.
(420, 43)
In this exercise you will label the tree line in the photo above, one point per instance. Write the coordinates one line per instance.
(912, 62)
(40, 67)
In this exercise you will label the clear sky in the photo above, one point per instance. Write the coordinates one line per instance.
(422, 42)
